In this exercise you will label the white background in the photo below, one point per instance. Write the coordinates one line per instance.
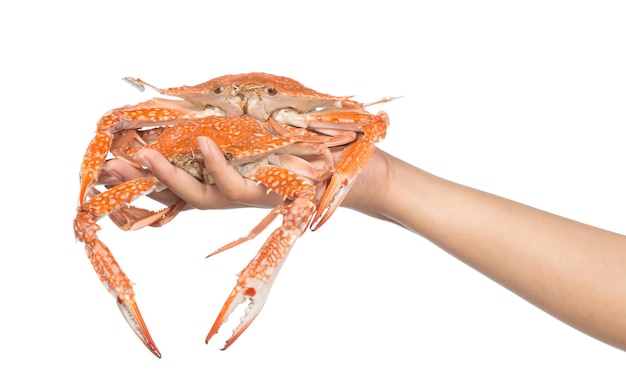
(526, 101)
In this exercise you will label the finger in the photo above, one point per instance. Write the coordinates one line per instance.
(227, 179)
(182, 184)
(229, 182)
(123, 170)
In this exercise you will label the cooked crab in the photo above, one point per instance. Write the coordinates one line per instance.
(272, 129)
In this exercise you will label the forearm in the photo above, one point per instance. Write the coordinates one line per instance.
(571, 270)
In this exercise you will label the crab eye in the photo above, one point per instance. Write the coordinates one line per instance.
(271, 90)
(228, 156)
(217, 89)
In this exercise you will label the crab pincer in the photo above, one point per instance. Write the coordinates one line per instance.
(111, 274)
(255, 280)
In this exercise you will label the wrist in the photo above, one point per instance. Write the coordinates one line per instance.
(370, 193)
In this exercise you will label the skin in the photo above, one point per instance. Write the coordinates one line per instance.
(573, 271)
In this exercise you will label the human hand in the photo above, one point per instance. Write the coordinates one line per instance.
(231, 190)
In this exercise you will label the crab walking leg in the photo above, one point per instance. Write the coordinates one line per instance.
(374, 126)
(255, 280)
(135, 218)
(105, 265)
(269, 218)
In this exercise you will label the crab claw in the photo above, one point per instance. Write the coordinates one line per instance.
(112, 276)
(344, 174)
(349, 166)
(256, 299)
(255, 280)
(120, 287)
(130, 310)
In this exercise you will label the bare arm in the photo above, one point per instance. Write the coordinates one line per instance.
(571, 270)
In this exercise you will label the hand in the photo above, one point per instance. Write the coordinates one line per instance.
(231, 190)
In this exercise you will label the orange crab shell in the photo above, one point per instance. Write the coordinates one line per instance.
(256, 94)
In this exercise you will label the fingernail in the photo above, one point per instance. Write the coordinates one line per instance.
(204, 146)
(141, 157)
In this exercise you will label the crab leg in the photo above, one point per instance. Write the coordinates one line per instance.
(374, 126)
(105, 265)
(135, 218)
(153, 112)
(269, 218)
(350, 165)
(255, 280)
(344, 174)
